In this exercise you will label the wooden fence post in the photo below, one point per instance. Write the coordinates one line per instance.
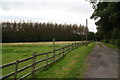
(16, 68)
(79, 44)
(53, 49)
(53, 56)
(33, 63)
(75, 45)
(67, 49)
(60, 53)
(63, 51)
(47, 59)
(71, 47)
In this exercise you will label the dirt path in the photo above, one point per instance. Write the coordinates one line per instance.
(102, 62)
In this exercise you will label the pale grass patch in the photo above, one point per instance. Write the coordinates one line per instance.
(57, 42)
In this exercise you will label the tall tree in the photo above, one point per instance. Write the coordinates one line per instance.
(107, 15)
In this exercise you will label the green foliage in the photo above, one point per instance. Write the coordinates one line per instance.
(107, 15)
(91, 36)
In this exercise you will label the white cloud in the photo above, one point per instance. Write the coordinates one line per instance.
(60, 11)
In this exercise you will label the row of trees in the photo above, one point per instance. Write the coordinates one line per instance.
(107, 15)
(34, 31)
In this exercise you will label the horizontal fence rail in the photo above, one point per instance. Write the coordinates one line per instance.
(54, 57)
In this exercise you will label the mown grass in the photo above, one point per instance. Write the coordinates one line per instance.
(13, 52)
(71, 66)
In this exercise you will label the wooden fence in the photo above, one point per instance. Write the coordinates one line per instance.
(60, 54)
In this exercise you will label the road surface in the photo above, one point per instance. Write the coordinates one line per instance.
(102, 62)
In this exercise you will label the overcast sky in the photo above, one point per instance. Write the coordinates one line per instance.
(59, 11)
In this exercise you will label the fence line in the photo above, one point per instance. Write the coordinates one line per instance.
(62, 52)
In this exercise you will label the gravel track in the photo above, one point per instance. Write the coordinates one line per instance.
(102, 62)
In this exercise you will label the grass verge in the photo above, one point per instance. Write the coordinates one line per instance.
(100, 45)
(110, 45)
(113, 46)
(71, 66)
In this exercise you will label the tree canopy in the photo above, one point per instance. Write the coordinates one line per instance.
(107, 15)
(34, 31)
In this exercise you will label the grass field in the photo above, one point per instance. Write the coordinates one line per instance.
(15, 51)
